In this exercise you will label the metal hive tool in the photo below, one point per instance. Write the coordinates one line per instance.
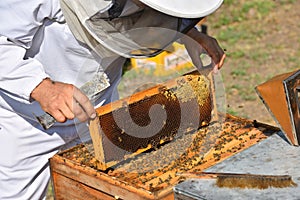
(281, 97)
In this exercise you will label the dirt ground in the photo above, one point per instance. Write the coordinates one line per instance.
(265, 45)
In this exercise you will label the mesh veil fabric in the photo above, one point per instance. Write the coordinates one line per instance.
(129, 30)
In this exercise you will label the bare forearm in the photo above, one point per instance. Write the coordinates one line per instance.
(207, 42)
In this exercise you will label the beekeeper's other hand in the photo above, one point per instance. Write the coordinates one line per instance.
(197, 43)
(63, 101)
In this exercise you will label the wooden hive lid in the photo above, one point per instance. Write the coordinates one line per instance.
(280, 96)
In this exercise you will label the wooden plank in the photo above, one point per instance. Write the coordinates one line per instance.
(66, 189)
(94, 179)
(97, 142)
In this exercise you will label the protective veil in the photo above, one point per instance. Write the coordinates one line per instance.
(127, 28)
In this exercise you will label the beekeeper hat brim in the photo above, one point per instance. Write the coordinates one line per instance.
(185, 8)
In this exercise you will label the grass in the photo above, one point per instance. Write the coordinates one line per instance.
(242, 10)
(260, 44)
(50, 195)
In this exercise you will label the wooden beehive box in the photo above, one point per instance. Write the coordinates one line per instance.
(153, 174)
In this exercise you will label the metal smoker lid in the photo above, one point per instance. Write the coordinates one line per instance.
(281, 97)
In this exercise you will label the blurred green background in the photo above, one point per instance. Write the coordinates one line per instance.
(261, 38)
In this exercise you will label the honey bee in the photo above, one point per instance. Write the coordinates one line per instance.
(120, 139)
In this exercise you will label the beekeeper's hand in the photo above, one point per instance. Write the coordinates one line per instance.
(63, 101)
(197, 43)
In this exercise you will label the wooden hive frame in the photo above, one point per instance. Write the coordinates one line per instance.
(106, 133)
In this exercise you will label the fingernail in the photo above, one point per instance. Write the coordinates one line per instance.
(93, 116)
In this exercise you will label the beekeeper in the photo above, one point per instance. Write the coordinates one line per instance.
(50, 48)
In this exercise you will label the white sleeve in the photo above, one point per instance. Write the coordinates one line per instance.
(17, 75)
(20, 76)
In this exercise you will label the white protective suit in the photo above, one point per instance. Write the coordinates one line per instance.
(35, 43)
